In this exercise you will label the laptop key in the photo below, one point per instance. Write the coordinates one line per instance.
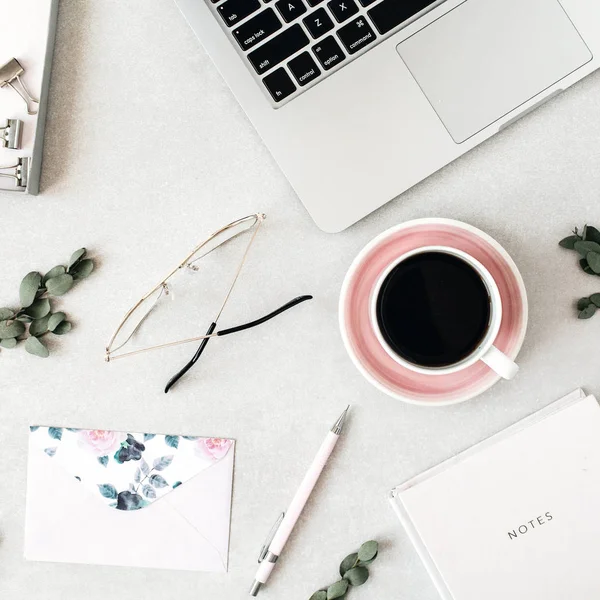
(342, 9)
(390, 13)
(329, 53)
(234, 11)
(304, 68)
(290, 9)
(279, 84)
(318, 23)
(277, 49)
(314, 2)
(356, 35)
(367, 2)
(257, 29)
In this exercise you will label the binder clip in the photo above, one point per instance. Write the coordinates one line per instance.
(19, 172)
(10, 134)
(10, 74)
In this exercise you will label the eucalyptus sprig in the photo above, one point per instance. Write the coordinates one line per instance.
(587, 245)
(35, 319)
(353, 570)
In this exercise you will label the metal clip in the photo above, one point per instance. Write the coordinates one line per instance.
(265, 547)
(20, 172)
(10, 134)
(9, 74)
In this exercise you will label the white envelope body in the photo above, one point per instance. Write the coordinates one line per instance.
(187, 529)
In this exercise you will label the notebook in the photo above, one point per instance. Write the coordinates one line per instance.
(516, 516)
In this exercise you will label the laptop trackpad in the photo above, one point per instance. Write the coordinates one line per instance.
(485, 58)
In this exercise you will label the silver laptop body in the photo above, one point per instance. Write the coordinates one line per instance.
(359, 100)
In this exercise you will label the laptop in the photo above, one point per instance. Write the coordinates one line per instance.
(359, 100)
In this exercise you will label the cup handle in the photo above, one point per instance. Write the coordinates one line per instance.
(499, 362)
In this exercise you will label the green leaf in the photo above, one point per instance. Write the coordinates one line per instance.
(107, 490)
(6, 313)
(595, 298)
(160, 464)
(144, 468)
(138, 475)
(348, 563)
(148, 436)
(40, 308)
(29, 287)
(158, 481)
(337, 590)
(583, 303)
(148, 491)
(76, 257)
(55, 320)
(588, 312)
(368, 551)
(39, 326)
(592, 234)
(320, 595)
(62, 328)
(33, 428)
(8, 343)
(82, 269)
(35, 347)
(103, 460)
(172, 440)
(50, 451)
(176, 484)
(11, 329)
(54, 272)
(57, 286)
(584, 265)
(569, 242)
(357, 576)
(584, 247)
(24, 318)
(55, 433)
(593, 259)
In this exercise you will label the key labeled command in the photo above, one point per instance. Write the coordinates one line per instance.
(356, 35)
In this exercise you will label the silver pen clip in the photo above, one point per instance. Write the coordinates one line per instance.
(10, 74)
(18, 172)
(265, 547)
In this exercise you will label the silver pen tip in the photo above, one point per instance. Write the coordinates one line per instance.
(339, 424)
(255, 587)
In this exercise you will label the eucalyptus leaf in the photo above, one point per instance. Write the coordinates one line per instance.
(583, 303)
(11, 329)
(62, 328)
(55, 320)
(160, 464)
(82, 269)
(144, 468)
(569, 242)
(583, 263)
(148, 491)
(6, 313)
(24, 318)
(103, 460)
(348, 563)
(39, 326)
(57, 286)
(35, 347)
(172, 441)
(592, 234)
(54, 272)
(584, 247)
(40, 308)
(588, 312)
(8, 343)
(76, 257)
(137, 477)
(29, 288)
(357, 576)
(55, 433)
(593, 259)
(368, 551)
(107, 490)
(337, 590)
(320, 595)
(158, 481)
(595, 298)
(148, 436)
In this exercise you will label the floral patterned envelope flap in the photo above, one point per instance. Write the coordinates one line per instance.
(129, 471)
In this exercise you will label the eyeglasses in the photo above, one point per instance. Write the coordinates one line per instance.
(137, 318)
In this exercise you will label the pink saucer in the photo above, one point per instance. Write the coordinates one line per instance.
(360, 339)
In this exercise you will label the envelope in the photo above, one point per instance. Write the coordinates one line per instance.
(128, 499)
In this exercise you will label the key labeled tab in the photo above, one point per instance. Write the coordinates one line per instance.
(290, 9)
(329, 53)
(234, 11)
(318, 23)
(304, 68)
(257, 29)
(278, 48)
(356, 35)
(279, 84)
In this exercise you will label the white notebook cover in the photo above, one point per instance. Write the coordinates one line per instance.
(517, 516)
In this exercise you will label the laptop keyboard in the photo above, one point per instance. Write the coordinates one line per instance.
(291, 45)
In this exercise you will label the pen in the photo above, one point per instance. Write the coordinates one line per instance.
(282, 529)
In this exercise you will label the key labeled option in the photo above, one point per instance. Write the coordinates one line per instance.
(342, 9)
(329, 53)
(278, 48)
(356, 35)
(318, 23)
(279, 84)
(290, 9)
(257, 29)
(304, 68)
(234, 11)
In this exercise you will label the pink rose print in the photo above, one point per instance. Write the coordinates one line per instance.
(100, 442)
(213, 448)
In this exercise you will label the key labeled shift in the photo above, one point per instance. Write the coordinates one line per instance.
(277, 49)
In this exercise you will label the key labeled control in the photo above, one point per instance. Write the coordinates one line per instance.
(278, 48)
(318, 23)
(329, 53)
(356, 35)
(234, 11)
(279, 84)
(304, 68)
(257, 29)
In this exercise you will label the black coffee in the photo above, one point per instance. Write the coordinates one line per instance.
(433, 309)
